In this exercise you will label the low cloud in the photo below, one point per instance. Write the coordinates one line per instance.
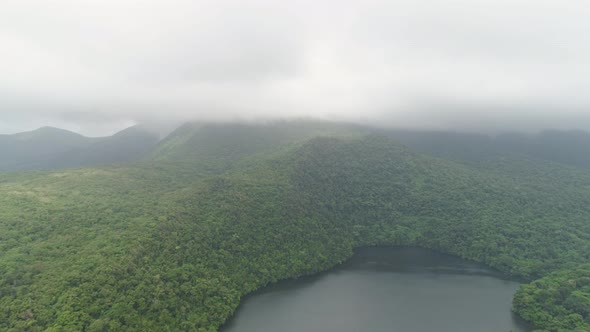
(97, 66)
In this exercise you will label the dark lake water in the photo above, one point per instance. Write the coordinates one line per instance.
(386, 289)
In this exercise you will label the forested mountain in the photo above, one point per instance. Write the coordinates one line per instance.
(131, 144)
(559, 146)
(226, 143)
(215, 212)
(51, 148)
(30, 149)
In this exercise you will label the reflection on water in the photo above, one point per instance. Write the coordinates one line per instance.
(386, 289)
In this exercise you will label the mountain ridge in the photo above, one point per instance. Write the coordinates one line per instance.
(49, 148)
(175, 243)
(569, 147)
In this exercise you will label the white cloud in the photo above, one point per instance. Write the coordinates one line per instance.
(404, 62)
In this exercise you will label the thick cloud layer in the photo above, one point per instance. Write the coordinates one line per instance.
(99, 65)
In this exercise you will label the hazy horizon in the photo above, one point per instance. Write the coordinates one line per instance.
(164, 130)
(96, 67)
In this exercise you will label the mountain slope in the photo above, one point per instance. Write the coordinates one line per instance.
(131, 144)
(29, 150)
(221, 144)
(51, 148)
(225, 143)
(570, 148)
(164, 245)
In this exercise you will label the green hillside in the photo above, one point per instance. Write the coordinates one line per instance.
(51, 148)
(565, 147)
(173, 243)
(218, 147)
(128, 145)
(29, 149)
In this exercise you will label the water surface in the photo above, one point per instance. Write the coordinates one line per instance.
(386, 289)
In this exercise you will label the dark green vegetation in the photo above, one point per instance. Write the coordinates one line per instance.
(559, 301)
(51, 148)
(173, 242)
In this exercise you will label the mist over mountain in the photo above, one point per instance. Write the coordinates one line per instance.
(161, 160)
(53, 148)
(570, 147)
(97, 67)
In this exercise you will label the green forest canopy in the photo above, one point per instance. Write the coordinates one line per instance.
(173, 242)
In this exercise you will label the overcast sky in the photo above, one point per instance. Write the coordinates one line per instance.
(96, 66)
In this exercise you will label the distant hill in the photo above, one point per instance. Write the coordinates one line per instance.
(31, 150)
(221, 145)
(570, 147)
(560, 146)
(127, 145)
(225, 142)
(52, 148)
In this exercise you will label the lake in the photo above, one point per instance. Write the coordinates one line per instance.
(386, 289)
